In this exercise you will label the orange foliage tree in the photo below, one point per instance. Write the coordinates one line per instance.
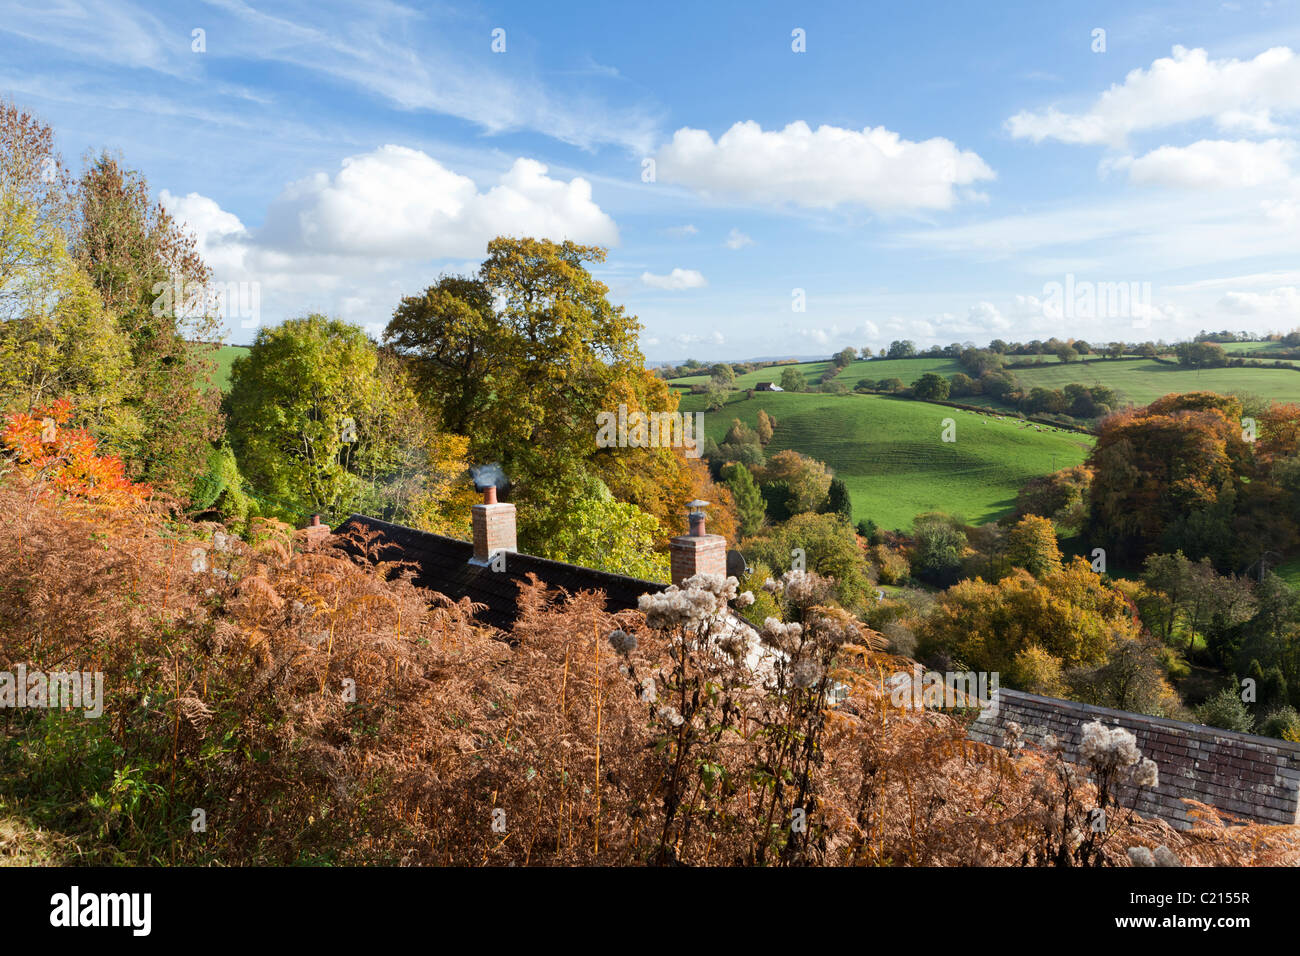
(64, 461)
(1153, 465)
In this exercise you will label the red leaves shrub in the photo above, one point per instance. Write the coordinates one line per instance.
(65, 461)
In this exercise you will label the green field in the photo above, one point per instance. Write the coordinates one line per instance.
(811, 371)
(890, 453)
(1144, 381)
(908, 370)
(223, 356)
(1260, 351)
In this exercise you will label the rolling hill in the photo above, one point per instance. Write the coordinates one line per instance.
(890, 453)
(1143, 381)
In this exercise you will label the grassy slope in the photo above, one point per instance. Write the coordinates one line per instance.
(224, 356)
(811, 371)
(889, 452)
(1256, 350)
(1145, 381)
(909, 370)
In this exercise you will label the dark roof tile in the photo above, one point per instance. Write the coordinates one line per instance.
(443, 565)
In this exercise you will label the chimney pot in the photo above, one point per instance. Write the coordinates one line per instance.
(494, 527)
(697, 552)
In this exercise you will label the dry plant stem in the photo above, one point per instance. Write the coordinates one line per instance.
(596, 847)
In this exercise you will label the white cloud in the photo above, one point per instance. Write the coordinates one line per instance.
(821, 168)
(1185, 87)
(1211, 164)
(1119, 239)
(686, 338)
(99, 30)
(384, 225)
(676, 280)
(737, 240)
(1282, 303)
(681, 232)
(402, 202)
(220, 237)
(1254, 279)
(984, 316)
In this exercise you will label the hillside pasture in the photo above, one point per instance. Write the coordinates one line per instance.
(891, 455)
(1142, 382)
(224, 357)
(812, 371)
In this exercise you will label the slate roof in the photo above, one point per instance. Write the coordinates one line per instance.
(444, 565)
(1257, 778)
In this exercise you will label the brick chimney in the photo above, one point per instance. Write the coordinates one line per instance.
(316, 531)
(494, 526)
(697, 552)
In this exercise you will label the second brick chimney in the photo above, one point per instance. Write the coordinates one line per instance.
(494, 526)
(697, 552)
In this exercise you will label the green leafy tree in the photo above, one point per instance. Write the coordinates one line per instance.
(723, 374)
(609, 535)
(938, 544)
(749, 501)
(829, 548)
(449, 332)
(931, 387)
(838, 500)
(792, 380)
(548, 353)
(806, 480)
(1225, 709)
(221, 490)
(319, 423)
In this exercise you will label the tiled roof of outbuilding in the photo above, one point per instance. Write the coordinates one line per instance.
(1256, 778)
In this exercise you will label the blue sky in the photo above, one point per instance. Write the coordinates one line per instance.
(919, 171)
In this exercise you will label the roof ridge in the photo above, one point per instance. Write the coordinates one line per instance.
(1199, 729)
(612, 576)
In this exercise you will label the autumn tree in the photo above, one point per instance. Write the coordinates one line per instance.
(795, 483)
(521, 359)
(151, 279)
(1279, 433)
(1178, 456)
(1071, 614)
(56, 338)
(1061, 496)
(1031, 544)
